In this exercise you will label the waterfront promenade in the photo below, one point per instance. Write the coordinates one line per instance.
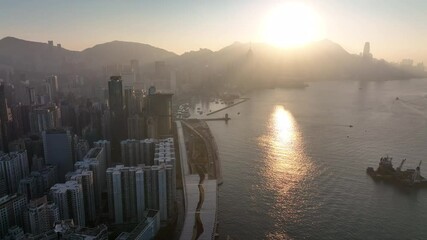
(200, 192)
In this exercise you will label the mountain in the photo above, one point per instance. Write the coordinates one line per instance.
(239, 65)
(41, 57)
(119, 52)
(34, 56)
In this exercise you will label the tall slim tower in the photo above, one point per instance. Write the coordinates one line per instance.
(115, 102)
(4, 120)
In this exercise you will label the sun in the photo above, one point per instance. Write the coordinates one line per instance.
(291, 25)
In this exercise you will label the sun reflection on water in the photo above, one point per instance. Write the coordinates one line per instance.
(286, 165)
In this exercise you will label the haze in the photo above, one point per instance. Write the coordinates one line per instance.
(394, 28)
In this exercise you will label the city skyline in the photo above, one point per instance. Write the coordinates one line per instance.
(394, 28)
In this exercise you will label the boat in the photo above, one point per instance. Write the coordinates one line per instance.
(387, 173)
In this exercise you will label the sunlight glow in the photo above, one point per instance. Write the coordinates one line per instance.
(292, 25)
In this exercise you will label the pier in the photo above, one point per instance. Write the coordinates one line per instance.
(229, 106)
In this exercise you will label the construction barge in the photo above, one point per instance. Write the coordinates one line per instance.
(387, 173)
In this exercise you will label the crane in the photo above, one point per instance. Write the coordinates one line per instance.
(401, 165)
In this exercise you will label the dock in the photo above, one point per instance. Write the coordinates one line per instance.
(229, 106)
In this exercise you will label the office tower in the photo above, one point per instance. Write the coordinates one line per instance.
(118, 128)
(5, 118)
(68, 197)
(58, 150)
(85, 179)
(44, 118)
(125, 195)
(130, 152)
(136, 127)
(12, 208)
(159, 122)
(14, 167)
(107, 150)
(41, 215)
(52, 87)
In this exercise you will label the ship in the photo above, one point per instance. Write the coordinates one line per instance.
(387, 173)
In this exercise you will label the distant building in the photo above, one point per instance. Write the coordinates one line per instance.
(69, 198)
(81, 148)
(367, 51)
(58, 150)
(136, 127)
(52, 87)
(44, 118)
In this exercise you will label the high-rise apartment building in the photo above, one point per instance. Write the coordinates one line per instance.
(12, 208)
(14, 167)
(125, 193)
(85, 179)
(41, 215)
(69, 198)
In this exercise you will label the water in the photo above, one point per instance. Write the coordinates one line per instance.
(294, 169)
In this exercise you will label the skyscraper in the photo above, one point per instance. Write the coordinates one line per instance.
(58, 150)
(159, 120)
(68, 197)
(115, 102)
(4, 119)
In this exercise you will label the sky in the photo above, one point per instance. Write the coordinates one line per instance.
(395, 28)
